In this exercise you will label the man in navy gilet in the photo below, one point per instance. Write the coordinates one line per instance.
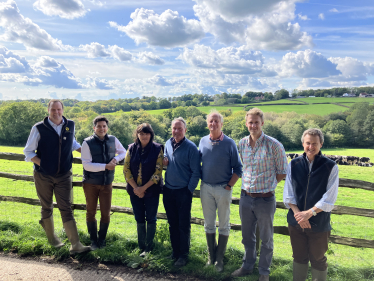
(99, 161)
(310, 192)
(49, 147)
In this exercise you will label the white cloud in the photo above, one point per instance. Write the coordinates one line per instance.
(307, 64)
(68, 9)
(45, 71)
(234, 10)
(101, 84)
(22, 30)
(227, 60)
(11, 62)
(120, 53)
(334, 10)
(353, 69)
(321, 16)
(150, 58)
(159, 81)
(270, 29)
(167, 30)
(303, 17)
(95, 50)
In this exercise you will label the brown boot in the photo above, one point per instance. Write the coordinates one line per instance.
(49, 229)
(72, 234)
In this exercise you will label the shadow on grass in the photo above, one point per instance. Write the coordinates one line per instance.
(30, 239)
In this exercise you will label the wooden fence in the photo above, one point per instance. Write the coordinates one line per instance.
(338, 210)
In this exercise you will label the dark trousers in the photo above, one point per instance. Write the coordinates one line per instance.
(145, 209)
(309, 246)
(93, 192)
(177, 203)
(61, 185)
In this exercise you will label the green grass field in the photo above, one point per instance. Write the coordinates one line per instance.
(334, 100)
(345, 263)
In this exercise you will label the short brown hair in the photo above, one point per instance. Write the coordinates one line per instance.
(255, 111)
(100, 118)
(145, 128)
(313, 132)
(52, 101)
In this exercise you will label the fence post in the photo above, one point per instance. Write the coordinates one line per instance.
(72, 190)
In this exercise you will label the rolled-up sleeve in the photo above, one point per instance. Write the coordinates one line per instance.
(280, 159)
(288, 193)
(120, 151)
(236, 163)
(32, 144)
(328, 199)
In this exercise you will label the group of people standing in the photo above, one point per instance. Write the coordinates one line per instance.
(310, 189)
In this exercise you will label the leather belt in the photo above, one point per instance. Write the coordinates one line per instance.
(256, 195)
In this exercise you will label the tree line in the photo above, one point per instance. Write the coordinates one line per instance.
(354, 127)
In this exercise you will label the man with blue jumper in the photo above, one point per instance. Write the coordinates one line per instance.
(221, 168)
(182, 176)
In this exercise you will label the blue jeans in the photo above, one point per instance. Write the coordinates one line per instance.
(259, 211)
(216, 198)
(145, 209)
(177, 203)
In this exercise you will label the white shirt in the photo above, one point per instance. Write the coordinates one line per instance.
(328, 199)
(98, 167)
(34, 137)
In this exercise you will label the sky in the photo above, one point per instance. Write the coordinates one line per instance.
(96, 49)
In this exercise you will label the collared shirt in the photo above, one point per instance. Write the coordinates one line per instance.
(328, 199)
(176, 144)
(220, 138)
(262, 163)
(34, 137)
(97, 167)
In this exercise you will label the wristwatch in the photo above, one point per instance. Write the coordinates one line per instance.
(313, 212)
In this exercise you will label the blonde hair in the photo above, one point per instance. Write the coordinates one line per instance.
(255, 111)
(313, 132)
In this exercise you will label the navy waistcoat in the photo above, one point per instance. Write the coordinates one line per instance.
(102, 151)
(148, 157)
(309, 188)
(54, 151)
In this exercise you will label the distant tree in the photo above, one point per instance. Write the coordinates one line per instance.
(282, 94)
(16, 120)
(164, 103)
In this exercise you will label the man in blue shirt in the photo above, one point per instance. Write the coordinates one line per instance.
(221, 168)
(181, 179)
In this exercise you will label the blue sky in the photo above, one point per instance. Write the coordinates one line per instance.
(93, 49)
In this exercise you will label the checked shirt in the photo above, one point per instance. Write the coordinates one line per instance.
(262, 163)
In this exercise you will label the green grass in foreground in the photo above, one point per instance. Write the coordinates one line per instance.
(20, 231)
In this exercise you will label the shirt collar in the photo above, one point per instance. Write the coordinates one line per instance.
(53, 124)
(220, 138)
(259, 140)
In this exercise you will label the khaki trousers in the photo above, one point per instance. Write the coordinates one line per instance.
(61, 186)
(93, 192)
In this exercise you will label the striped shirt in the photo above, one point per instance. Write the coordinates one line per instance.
(262, 163)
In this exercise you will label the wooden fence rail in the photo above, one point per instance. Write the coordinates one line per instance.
(338, 210)
(353, 242)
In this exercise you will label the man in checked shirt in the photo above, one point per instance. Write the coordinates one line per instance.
(264, 165)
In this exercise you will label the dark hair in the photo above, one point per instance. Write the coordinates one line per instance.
(52, 101)
(145, 128)
(100, 118)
